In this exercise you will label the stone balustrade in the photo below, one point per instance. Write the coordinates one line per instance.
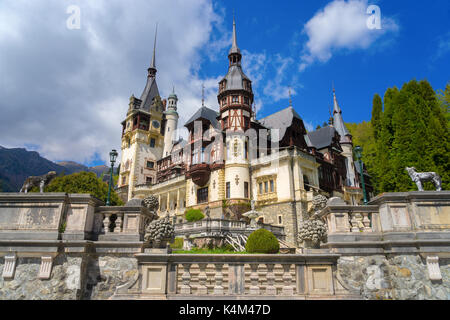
(351, 219)
(212, 227)
(181, 276)
(124, 223)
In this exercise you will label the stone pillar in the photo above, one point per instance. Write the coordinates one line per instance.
(168, 202)
(236, 279)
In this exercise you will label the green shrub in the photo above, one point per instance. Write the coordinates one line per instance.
(177, 243)
(262, 241)
(192, 215)
(227, 247)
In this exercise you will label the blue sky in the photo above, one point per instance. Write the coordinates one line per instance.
(65, 91)
(411, 52)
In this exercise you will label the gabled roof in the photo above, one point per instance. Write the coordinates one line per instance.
(322, 137)
(280, 120)
(205, 113)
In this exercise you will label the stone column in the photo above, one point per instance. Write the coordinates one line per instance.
(236, 279)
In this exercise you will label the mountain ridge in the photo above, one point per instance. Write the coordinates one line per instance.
(17, 164)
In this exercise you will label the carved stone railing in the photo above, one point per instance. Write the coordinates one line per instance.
(348, 219)
(124, 223)
(236, 276)
(211, 227)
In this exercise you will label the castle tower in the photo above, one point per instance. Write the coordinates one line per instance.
(235, 99)
(346, 143)
(142, 138)
(171, 116)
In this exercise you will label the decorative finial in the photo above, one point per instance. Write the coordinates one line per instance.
(203, 94)
(290, 97)
(330, 120)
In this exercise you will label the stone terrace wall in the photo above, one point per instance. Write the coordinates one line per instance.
(401, 277)
(107, 271)
(64, 284)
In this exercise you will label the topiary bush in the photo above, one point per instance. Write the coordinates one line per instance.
(192, 215)
(262, 241)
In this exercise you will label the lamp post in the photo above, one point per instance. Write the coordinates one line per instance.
(358, 154)
(112, 158)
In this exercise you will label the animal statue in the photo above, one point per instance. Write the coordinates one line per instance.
(419, 177)
(38, 181)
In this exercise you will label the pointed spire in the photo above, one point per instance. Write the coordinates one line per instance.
(338, 121)
(336, 108)
(152, 69)
(234, 46)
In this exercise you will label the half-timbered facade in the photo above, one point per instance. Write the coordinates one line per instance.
(230, 157)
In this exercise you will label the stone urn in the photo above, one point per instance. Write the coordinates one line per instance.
(311, 233)
(159, 233)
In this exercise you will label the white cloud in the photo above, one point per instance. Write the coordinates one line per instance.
(275, 87)
(66, 91)
(443, 46)
(341, 25)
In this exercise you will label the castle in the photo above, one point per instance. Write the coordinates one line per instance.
(230, 157)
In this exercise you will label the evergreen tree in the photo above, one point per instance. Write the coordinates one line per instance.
(412, 130)
(382, 173)
(377, 109)
(444, 97)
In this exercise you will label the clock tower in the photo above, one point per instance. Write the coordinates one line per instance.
(235, 99)
(142, 137)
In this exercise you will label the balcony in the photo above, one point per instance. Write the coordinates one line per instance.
(199, 173)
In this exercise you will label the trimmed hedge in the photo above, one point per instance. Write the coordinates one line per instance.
(192, 215)
(262, 241)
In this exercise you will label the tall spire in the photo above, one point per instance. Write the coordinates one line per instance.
(234, 55)
(336, 108)
(338, 121)
(152, 69)
(234, 46)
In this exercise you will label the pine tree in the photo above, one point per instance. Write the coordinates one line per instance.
(383, 174)
(377, 109)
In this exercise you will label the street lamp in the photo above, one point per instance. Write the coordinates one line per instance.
(112, 157)
(358, 154)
